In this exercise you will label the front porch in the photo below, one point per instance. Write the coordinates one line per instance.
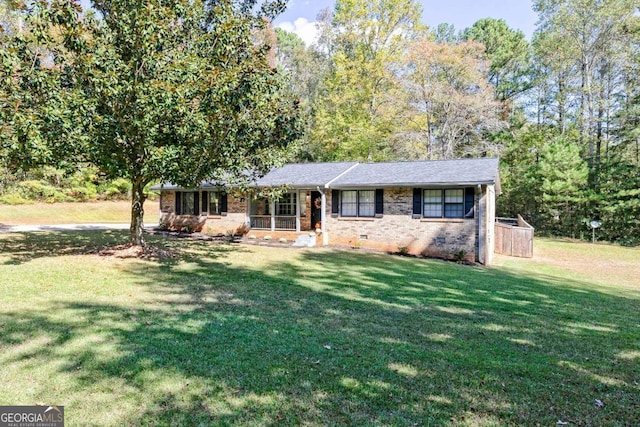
(297, 211)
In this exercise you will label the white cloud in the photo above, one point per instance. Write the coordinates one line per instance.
(306, 30)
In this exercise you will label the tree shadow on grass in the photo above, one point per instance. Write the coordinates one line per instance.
(337, 338)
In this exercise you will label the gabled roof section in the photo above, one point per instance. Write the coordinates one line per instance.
(420, 173)
(304, 175)
(341, 175)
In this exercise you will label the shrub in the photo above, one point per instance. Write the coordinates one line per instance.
(39, 190)
(459, 256)
(14, 198)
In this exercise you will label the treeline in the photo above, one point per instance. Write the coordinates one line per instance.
(182, 91)
(51, 185)
(561, 110)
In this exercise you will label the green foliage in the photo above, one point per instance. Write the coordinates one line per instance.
(616, 204)
(508, 52)
(14, 199)
(544, 179)
(50, 185)
(151, 91)
(359, 111)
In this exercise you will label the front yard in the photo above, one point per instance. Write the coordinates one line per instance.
(246, 335)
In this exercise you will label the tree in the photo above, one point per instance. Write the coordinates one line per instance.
(453, 107)
(177, 91)
(358, 112)
(589, 35)
(509, 55)
(305, 69)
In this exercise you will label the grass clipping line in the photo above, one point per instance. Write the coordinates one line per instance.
(137, 251)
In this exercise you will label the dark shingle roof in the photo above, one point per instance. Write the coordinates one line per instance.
(304, 175)
(342, 175)
(421, 173)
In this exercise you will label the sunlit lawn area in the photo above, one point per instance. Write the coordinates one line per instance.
(69, 213)
(245, 335)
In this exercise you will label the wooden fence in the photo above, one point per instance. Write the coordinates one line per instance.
(514, 237)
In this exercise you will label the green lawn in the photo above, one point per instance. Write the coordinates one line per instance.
(71, 213)
(242, 335)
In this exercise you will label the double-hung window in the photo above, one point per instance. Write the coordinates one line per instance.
(447, 203)
(187, 203)
(214, 202)
(358, 203)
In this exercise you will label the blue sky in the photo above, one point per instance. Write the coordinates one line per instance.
(301, 14)
(518, 14)
(461, 13)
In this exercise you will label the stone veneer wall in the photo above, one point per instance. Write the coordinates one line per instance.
(397, 230)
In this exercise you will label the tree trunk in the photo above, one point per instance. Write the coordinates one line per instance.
(138, 197)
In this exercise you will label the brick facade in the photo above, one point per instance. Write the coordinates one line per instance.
(231, 222)
(396, 230)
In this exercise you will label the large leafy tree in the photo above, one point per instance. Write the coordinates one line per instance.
(453, 108)
(178, 90)
(358, 112)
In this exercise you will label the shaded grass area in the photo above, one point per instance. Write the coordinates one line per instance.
(71, 213)
(235, 335)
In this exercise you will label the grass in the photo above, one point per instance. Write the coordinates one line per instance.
(75, 213)
(245, 335)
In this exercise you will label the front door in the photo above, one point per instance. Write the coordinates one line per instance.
(316, 210)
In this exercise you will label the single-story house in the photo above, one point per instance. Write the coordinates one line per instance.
(442, 208)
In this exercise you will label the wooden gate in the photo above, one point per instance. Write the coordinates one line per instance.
(514, 237)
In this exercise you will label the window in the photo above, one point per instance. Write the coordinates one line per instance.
(213, 200)
(432, 203)
(454, 203)
(447, 203)
(187, 203)
(354, 203)
(286, 205)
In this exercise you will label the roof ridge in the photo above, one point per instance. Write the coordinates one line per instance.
(328, 184)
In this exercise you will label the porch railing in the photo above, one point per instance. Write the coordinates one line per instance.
(263, 222)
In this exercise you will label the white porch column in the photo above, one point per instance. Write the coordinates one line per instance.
(323, 218)
(273, 214)
(298, 201)
(248, 212)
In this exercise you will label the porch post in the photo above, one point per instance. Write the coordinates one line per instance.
(298, 201)
(273, 213)
(248, 211)
(323, 218)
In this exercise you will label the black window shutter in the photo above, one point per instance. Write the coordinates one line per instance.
(469, 201)
(335, 202)
(417, 202)
(379, 201)
(196, 204)
(178, 203)
(205, 202)
(223, 203)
